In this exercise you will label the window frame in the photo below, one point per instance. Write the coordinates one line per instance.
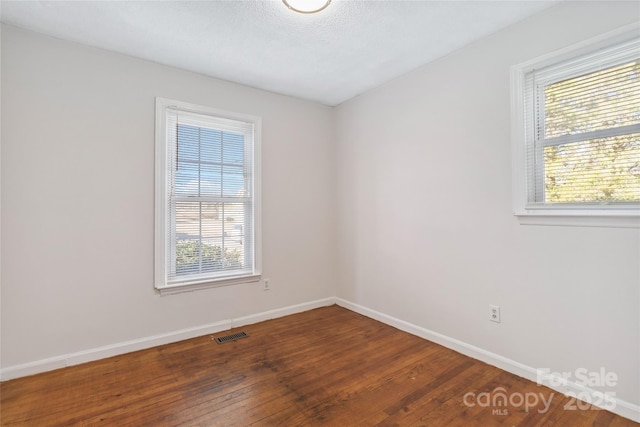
(614, 215)
(164, 244)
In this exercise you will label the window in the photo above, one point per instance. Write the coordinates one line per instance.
(576, 134)
(207, 197)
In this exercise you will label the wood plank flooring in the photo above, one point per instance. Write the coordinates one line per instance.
(328, 366)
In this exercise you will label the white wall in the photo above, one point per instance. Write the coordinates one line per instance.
(426, 231)
(78, 209)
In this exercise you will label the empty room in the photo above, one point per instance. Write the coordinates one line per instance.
(320, 212)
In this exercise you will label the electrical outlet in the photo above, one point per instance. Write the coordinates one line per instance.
(494, 313)
(267, 285)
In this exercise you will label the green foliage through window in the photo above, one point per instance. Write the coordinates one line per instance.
(193, 257)
(595, 169)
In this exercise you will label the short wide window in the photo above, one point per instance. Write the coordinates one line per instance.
(577, 132)
(207, 196)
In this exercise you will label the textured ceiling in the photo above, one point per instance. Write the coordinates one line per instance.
(330, 57)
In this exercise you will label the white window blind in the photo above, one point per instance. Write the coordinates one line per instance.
(584, 130)
(580, 132)
(209, 203)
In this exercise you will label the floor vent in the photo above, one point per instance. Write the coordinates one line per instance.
(232, 337)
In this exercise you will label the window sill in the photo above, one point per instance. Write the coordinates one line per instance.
(207, 283)
(580, 220)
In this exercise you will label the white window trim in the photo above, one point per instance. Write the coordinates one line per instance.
(161, 213)
(593, 216)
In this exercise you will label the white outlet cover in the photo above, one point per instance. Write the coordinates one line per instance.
(494, 313)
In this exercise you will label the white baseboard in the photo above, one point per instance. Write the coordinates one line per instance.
(619, 406)
(98, 353)
(281, 312)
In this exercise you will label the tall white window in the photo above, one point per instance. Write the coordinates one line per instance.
(207, 196)
(577, 132)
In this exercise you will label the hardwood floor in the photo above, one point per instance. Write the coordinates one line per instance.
(328, 366)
